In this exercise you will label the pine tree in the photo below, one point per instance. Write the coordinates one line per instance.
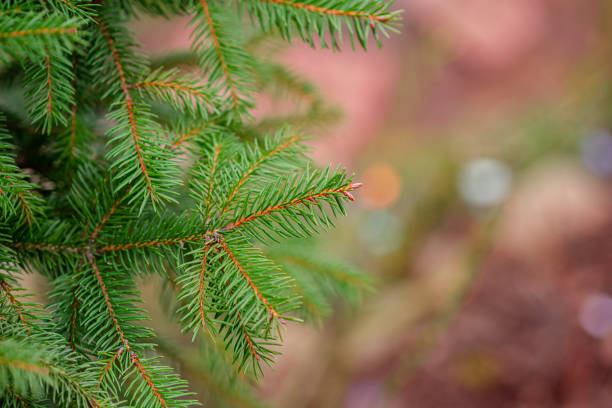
(116, 167)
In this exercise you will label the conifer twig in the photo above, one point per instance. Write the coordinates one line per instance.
(215, 39)
(255, 166)
(246, 276)
(323, 10)
(14, 302)
(39, 31)
(128, 105)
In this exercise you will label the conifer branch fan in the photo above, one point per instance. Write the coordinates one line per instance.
(113, 172)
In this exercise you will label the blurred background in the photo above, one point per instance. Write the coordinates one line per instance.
(483, 136)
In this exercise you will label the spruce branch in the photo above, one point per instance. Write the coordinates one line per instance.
(38, 366)
(13, 301)
(113, 145)
(217, 40)
(37, 32)
(179, 142)
(73, 143)
(49, 89)
(145, 374)
(376, 16)
(210, 366)
(33, 32)
(258, 164)
(247, 277)
(137, 145)
(108, 215)
(183, 91)
(325, 19)
(109, 306)
(73, 319)
(18, 200)
(303, 196)
(217, 45)
(129, 106)
(85, 9)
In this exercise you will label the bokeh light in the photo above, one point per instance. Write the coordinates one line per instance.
(485, 182)
(381, 186)
(596, 315)
(597, 152)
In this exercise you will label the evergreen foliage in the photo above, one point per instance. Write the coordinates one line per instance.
(114, 168)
